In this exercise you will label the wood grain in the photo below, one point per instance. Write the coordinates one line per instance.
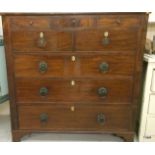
(80, 35)
(84, 91)
(85, 65)
(62, 118)
(120, 40)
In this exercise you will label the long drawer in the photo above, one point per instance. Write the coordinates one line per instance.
(70, 65)
(86, 91)
(83, 118)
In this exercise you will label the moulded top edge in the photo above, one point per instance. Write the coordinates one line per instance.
(68, 13)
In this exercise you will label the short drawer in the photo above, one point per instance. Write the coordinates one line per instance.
(118, 21)
(41, 40)
(85, 91)
(29, 22)
(84, 118)
(75, 65)
(151, 109)
(106, 39)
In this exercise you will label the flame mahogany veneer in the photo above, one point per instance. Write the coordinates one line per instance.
(74, 73)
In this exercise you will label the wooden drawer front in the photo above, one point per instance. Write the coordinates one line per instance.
(51, 22)
(63, 65)
(118, 21)
(82, 118)
(30, 22)
(86, 91)
(118, 40)
(43, 66)
(31, 41)
(102, 65)
(72, 22)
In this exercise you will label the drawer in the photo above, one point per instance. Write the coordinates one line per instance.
(51, 22)
(83, 118)
(44, 40)
(118, 21)
(109, 39)
(73, 22)
(150, 126)
(29, 22)
(151, 109)
(85, 91)
(64, 66)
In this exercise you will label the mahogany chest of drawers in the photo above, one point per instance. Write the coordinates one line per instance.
(76, 73)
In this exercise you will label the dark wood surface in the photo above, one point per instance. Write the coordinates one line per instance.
(74, 108)
(84, 91)
(74, 33)
(62, 118)
(85, 65)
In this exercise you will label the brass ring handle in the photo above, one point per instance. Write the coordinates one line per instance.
(106, 39)
(43, 66)
(43, 91)
(101, 119)
(102, 91)
(43, 117)
(41, 40)
(104, 67)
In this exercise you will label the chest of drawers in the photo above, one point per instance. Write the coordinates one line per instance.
(76, 73)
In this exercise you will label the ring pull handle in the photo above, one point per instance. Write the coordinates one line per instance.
(106, 39)
(43, 91)
(43, 117)
(43, 67)
(104, 67)
(41, 40)
(102, 91)
(101, 119)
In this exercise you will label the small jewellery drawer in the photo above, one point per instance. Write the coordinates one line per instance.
(29, 23)
(118, 21)
(88, 118)
(86, 91)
